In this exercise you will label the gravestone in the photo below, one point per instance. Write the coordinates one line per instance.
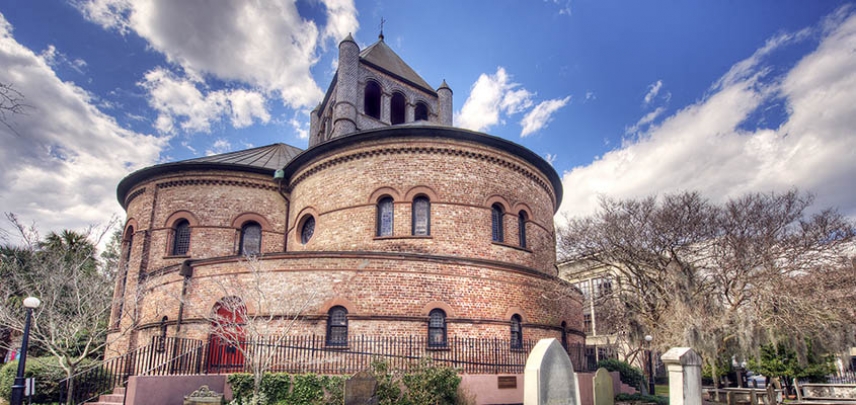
(361, 389)
(684, 367)
(549, 377)
(603, 392)
(203, 396)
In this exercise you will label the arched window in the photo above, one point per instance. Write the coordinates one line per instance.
(384, 216)
(251, 239)
(371, 100)
(307, 229)
(496, 223)
(337, 326)
(397, 109)
(516, 332)
(521, 228)
(181, 238)
(421, 216)
(437, 328)
(421, 113)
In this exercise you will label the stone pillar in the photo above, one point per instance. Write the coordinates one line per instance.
(347, 76)
(684, 369)
(385, 110)
(444, 93)
(409, 112)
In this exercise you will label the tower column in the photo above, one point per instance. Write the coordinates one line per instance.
(345, 109)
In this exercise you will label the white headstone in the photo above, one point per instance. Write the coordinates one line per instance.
(549, 377)
(684, 368)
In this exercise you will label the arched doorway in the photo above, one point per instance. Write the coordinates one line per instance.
(227, 343)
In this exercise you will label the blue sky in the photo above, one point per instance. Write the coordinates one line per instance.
(624, 98)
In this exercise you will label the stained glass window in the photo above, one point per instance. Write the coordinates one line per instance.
(516, 332)
(496, 223)
(437, 328)
(181, 239)
(384, 217)
(337, 326)
(307, 230)
(421, 216)
(251, 239)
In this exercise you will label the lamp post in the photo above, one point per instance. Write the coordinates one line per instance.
(648, 339)
(18, 388)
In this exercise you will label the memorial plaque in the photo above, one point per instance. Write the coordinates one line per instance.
(361, 389)
(506, 382)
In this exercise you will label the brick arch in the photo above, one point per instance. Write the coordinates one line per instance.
(522, 207)
(427, 191)
(338, 302)
(131, 223)
(377, 194)
(426, 310)
(515, 311)
(181, 214)
(497, 199)
(245, 217)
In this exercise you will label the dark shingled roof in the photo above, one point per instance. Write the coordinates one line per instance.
(264, 160)
(382, 56)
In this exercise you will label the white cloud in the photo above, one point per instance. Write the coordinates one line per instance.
(219, 146)
(709, 146)
(591, 96)
(538, 118)
(60, 165)
(550, 158)
(653, 89)
(645, 120)
(492, 97)
(264, 45)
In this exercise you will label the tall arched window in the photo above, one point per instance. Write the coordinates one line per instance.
(496, 223)
(337, 326)
(397, 109)
(521, 228)
(437, 328)
(371, 99)
(421, 112)
(516, 332)
(181, 238)
(421, 216)
(251, 239)
(384, 216)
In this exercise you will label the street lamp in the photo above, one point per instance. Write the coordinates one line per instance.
(18, 388)
(648, 339)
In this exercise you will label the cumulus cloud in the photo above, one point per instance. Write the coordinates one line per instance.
(709, 146)
(219, 146)
(266, 46)
(61, 160)
(541, 115)
(492, 97)
(647, 119)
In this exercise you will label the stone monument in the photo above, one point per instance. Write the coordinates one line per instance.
(361, 389)
(203, 396)
(602, 388)
(683, 365)
(549, 377)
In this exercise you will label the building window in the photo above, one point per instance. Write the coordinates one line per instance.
(307, 229)
(421, 113)
(565, 335)
(251, 239)
(181, 238)
(437, 328)
(337, 326)
(496, 223)
(516, 332)
(421, 216)
(397, 109)
(384, 216)
(587, 323)
(371, 100)
(521, 228)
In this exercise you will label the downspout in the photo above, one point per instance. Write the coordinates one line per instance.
(279, 177)
(186, 271)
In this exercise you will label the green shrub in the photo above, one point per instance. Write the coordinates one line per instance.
(644, 398)
(48, 374)
(629, 375)
(307, 390)
(334, 389)
(428, 384)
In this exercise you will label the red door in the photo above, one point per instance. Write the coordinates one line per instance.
(225, 344)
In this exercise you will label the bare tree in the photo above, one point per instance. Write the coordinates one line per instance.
(11, 102)
(63, 272)
(721, 278)
(254, 317)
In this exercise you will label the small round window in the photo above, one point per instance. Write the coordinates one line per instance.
(307, 230)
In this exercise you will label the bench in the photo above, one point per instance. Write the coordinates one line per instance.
(825, 394)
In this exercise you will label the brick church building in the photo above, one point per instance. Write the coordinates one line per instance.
(391, 223)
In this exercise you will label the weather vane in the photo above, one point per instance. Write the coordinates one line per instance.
(381, 28)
